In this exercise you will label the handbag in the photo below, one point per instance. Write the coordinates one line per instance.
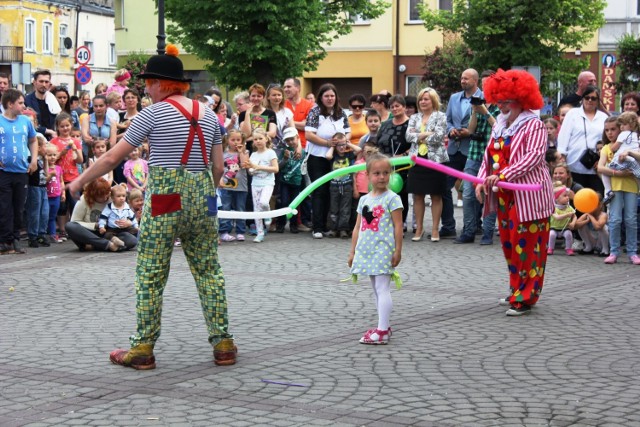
(590, 157)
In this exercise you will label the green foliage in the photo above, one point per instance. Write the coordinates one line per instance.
(136, 63)
(444, 66)
(504, 33)
(262, 41)
(628, 64)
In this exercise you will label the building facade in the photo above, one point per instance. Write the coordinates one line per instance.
(38, 35)
(132, 37)
(385, 53)
(622, 17)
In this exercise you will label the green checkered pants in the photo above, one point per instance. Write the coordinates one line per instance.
(198, 232)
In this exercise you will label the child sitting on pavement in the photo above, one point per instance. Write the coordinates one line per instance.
(136, 202)
(594, 231)
(116, 214)
(563, 219)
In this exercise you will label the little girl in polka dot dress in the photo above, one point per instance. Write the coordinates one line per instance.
(376, 243)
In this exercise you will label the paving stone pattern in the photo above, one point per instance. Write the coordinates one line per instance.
(454, 359)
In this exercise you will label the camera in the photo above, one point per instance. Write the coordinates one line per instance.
(476, 136)
(476, 100)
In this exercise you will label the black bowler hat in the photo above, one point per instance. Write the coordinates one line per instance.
(165, 67)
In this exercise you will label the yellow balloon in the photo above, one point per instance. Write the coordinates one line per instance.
(586, 200)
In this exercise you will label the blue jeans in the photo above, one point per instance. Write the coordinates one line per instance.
(37, 212)
(472, 208)
(232, 201)
(54, 205)
(628, 203)
(456, 161)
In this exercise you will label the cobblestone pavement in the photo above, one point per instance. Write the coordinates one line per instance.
(454, 359)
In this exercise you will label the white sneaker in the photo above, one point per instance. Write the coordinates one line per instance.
(259, 238)
(459, 203)
(578, 245)
(317, 235)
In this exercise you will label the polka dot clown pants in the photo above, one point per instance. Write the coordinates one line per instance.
(525, 248)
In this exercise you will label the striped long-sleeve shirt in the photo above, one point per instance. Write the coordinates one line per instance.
(526, 166)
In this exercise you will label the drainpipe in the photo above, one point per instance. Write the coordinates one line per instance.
(75, 46)
(396, 80)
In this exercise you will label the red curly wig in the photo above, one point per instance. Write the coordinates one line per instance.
(516, 85)
(95, 190)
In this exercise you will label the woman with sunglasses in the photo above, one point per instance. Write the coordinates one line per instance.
(581, 130)
(357, 121)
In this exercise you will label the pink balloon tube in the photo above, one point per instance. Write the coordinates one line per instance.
(465, 176)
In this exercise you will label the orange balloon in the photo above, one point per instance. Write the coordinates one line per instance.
(586, 200)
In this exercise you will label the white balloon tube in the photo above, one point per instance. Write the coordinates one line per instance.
(256, 215)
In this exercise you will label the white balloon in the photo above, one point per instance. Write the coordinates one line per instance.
(256, 215)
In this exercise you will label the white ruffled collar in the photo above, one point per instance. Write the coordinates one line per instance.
(501, 129)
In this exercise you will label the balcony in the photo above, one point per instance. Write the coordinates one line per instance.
(10, 54)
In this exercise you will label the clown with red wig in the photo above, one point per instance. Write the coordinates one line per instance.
(515, 154)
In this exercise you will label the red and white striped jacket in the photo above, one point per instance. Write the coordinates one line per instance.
(526, 166)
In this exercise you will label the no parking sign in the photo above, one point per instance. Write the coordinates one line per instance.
(83, 75)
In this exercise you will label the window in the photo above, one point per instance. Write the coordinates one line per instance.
(30, 35)
(414, 13)
(112, 54)
(445, 5)
(89, 46)
(63, 34)
(414, 84)
(357, 20)
(122, 13)
(47, 37)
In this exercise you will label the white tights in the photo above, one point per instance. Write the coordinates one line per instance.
(568, 238)
(261, 197)
(381, 288)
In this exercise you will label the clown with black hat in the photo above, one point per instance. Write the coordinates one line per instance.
(184, 165)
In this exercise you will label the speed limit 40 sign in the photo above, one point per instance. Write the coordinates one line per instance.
(83, 55)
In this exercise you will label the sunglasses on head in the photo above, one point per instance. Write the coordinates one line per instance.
(273, 85)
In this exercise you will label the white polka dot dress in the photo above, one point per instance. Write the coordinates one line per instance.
(376, 242)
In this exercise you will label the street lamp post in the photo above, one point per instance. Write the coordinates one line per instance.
(161, 35)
